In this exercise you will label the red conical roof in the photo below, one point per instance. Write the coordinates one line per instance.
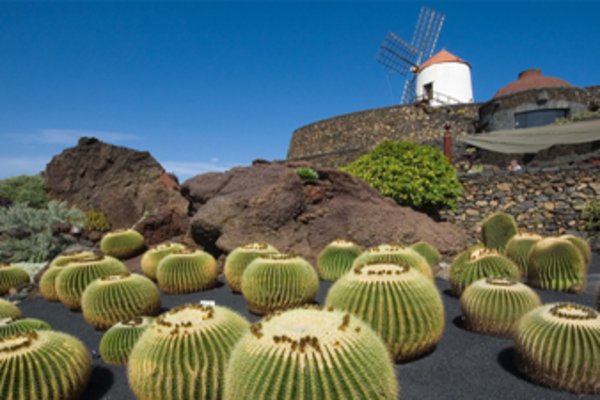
(442, 56)
(531, 79)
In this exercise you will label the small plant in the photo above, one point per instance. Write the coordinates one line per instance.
(48, 280)
(556, 345)
(182, 355)
(493, 306)
(478, 263)
(591, 215)
(36, 235)
(29, 189)
(8, 309)
(399, 303)
(414, 175)
(12, 277)
(116, 344)
(556, 264)
(14, 325)
(497, 229)
(154, 255)
(237, 261)
(187, 271)
(321, 354)
(307, 174)
(428, 252)
(518, 248)
(395, 254)
(75, 276)
(95, 220)
(115, 298)
(43, 365)
(278, 281)
(336, 259)
(122, 243)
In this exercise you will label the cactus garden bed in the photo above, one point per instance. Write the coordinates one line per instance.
(463, 365)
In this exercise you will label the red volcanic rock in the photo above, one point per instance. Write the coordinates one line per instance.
(269, 202)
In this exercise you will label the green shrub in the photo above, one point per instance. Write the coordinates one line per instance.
(36, 235)
(414, 175)
(95, 220)
(28, 189)
(591, 215)
(307, 174)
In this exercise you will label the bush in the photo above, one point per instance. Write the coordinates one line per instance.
(414, 175)
(25, 189)
(95, 220)
(591, 215)
(307, 174)
(36, 235)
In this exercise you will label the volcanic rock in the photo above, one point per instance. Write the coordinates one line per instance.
(130, 187)
(269, 202)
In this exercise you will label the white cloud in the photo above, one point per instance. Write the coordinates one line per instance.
(23, 165)
(187, 169)
(70, 136)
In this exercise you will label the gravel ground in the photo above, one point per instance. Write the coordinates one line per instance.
(463, 365)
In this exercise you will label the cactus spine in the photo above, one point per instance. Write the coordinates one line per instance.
(557, 345)
(122, 243)
(9, 310)
(237, 261)
(310, 354)
(391, 253)
(115, 298)
(556, 264)
(116, 344)
(277, 282)
(336, 259)
(477, 264)
(12, 276)
(75, 276)
(497, 229)
(518, 248)
(153, 257)
(183, 353)
(492, 306)
(428, 252)
(14, 325)
(43, 365)
(48, 279)
(187, 271)
(399, 303)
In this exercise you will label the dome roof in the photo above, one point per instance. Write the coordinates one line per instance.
(531, 79)
(441, 57)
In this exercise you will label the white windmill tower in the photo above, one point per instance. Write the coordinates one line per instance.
(440, 79)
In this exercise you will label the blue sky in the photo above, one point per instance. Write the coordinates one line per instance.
(206, 85)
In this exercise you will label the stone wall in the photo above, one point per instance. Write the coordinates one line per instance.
(548, 202)
(337, 141)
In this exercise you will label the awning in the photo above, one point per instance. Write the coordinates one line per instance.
(532, 140)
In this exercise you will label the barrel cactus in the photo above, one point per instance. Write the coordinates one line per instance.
(237, 261)
(477, 264)
(122, 243)
(556, 264)
(583, 246)
(116, 344)
(115, 298)
(154, 255)
(12, 276)
(399, 303)
(44, 365)
(187, 271)
(518, 248)
(278, 281)
(492, 306)
(391, 253)
(8, 309)
(75, 276)
(309, 353)
(497, 229)
(336, 259)
(183, 353)
(557, 345)
(48, 280)
(12, 326)
(429, 253)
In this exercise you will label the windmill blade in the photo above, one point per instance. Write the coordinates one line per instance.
(426, 34)
(409, 91)
(397, 55)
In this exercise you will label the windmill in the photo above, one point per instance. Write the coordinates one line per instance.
(402, 57)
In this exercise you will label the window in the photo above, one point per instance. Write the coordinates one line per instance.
(428, 91)
(529, 119)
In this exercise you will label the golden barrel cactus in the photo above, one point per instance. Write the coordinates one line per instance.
(187, 271)
(391, 253)
(153, 256)
(122, 243)
(237, 261)
(11, 277)
(556, 264)
(336, 259)
(116, 344)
